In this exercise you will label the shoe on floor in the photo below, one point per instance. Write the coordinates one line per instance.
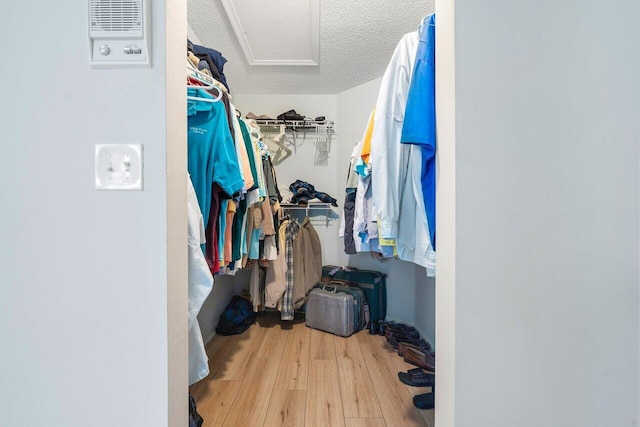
(382, 327)
(391, 331)
(424, 401)
(417, 378)
(420, 345)
(397, 336)
(420, 359)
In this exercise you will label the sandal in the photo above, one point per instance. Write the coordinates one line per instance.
(417, 378)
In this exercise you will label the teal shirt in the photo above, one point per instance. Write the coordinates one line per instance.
(212, 155)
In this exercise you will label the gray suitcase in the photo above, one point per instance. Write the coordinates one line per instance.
(361, 313)
(331, 312)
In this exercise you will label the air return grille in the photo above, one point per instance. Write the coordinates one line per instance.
(116, 18)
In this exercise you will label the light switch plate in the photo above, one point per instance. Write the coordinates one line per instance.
(119, 166)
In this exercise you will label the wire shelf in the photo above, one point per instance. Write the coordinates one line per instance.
(313, 208)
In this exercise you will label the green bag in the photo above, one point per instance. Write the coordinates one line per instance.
(373, 283)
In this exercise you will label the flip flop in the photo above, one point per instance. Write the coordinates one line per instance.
(417, 378)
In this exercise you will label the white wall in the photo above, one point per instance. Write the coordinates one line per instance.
(213, 306)
(176, 207)
(542, 145)
(83, 295)
(445, 414)
(354, 107)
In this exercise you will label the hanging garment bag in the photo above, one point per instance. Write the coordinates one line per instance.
(331, 311)
(373, 283)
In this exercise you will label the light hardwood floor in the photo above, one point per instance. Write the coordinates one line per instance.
(285, 374)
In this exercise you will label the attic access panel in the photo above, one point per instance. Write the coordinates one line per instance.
(277, 32)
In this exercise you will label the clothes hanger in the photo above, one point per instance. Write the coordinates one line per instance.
(206, 88)
(254, 127)
(198, 84)
(206, 79)
(283, 151)
(208, 83)
(279, 139)
(199, 98)
(202, 98)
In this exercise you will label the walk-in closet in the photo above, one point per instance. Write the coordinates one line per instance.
(327, 146)
(122, 303)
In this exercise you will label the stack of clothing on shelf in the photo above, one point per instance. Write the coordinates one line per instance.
(302, 192)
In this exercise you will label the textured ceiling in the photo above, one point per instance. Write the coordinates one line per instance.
(357, 39)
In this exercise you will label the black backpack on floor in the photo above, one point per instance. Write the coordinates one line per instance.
(236, 317)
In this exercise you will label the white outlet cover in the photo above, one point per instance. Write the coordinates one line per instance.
(118, 166)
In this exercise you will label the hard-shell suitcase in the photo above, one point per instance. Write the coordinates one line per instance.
(331, 312)
(361, 316)
(373, 283)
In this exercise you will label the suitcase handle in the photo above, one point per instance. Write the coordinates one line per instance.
(335, 283)
(334, 290)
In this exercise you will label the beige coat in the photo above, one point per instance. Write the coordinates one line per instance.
(275, 281)
(307, 262)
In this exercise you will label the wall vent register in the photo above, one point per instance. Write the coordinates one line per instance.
(119, 33)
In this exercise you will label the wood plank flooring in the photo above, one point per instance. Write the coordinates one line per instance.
(285, 374)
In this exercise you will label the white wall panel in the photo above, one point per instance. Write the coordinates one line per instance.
(83, 295)
(542, 142)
